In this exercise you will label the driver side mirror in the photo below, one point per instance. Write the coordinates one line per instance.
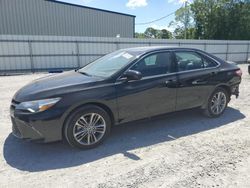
(132, 75)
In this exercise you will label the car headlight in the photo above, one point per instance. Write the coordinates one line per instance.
(37, 106)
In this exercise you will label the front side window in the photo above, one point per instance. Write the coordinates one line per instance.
(192, 61)
(108, 64)
(156, 64)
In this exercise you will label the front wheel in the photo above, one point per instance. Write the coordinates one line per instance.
(87, 127)
(217, 103)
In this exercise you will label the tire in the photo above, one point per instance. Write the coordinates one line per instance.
(211, 106)
(81, 133)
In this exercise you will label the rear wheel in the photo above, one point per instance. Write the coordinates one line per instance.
(87, 127)
(217, 103)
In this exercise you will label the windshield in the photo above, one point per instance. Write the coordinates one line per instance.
(108, 64)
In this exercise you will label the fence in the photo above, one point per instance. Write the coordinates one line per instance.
(43, 53)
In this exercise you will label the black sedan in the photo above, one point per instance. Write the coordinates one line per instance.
(82, 105)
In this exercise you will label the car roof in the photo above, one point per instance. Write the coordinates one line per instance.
(147, 49)
(140, 51)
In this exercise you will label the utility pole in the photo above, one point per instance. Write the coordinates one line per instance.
(186, 18)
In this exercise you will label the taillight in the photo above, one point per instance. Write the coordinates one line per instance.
(238, 73)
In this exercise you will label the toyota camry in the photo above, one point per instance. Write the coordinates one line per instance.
(82, 105)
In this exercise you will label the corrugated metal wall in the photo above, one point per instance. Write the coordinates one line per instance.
(38, 53)
(43, 17)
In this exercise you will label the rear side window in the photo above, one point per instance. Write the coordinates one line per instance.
(188, 61)
(209, 63)
(192, 61)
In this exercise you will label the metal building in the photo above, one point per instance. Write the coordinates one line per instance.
(49, 17)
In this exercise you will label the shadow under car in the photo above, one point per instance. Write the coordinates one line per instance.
(33, 157)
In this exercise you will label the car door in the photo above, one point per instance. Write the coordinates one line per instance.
(154, 94)
(195, 73)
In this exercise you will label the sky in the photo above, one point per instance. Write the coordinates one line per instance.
(144, 10)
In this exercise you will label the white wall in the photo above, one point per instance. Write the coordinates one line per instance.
(37, 53)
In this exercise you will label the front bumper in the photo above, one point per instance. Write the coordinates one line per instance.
(39, 127)
(21, 129)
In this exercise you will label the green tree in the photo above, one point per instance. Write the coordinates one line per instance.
(165, 34)
(221, 19)
(151, 32)
(139, 35)
(183, 23)
(179, 33)
(154, 33)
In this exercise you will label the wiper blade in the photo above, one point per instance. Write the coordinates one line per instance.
(84, 73)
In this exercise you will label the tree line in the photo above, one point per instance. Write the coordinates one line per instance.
(207, 19)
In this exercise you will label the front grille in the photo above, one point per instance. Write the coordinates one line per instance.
(16, 132)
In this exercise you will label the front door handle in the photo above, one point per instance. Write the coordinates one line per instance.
(170, 83)
(214, 73)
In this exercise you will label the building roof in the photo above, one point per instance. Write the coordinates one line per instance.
(81, 6)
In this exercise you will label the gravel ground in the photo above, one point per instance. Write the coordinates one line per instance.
(183, 149)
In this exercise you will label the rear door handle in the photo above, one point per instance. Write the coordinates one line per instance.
(198, 82)
(170, 83)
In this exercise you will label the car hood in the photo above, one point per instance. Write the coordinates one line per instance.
(55, 85)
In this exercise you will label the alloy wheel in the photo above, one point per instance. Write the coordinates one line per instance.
(89, 129)
(218, 103)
